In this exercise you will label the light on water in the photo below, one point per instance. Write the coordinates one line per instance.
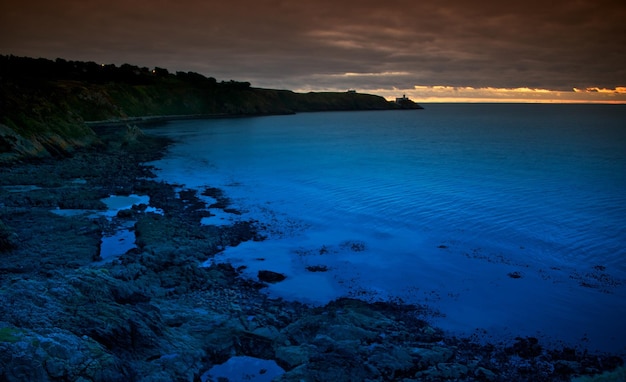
(503, 217)
(114, 244)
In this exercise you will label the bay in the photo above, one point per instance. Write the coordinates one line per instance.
(506, 219)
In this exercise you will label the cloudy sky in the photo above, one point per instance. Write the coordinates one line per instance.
(446, 50)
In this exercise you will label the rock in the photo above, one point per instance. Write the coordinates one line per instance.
(485, 374)
(430, 357)
(567, 367)
(30, 356)
(334, 366)
(429, 334)
(391, 359)
(327, 344)
(443, 372)
(292, 356)
(14, 146)
(298, 374)
(527, 348)
(430, 374)
(515, 275)
(8, 238)
(271, 277)
(244, 368)
(317, 268)
(348, 332)
(125, 214)
(221, 338)
(452, 371)
(141, 207)
(268, 332)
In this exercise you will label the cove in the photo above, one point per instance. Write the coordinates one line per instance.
(505, 219)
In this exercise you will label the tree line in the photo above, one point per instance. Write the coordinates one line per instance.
(25, 68)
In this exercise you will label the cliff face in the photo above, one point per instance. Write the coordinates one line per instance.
(44, 104)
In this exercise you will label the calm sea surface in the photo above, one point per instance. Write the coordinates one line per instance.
(508, 218)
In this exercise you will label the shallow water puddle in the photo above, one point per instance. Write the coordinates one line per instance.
(117, 244)
(123, 239)
(73, 212)
(244, 368)
(117, 203)
(219, 218)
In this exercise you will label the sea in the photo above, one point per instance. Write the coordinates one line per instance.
(499, 220)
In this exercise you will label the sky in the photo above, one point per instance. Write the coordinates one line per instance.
(432, 51)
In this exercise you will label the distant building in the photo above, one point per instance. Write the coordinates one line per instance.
(351, 91)
(405, 103)
(402, 100)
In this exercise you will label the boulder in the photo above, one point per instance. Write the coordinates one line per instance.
(270, 276)
(391, 359)
(8, 238)
(484, 374)
(26, 355)
(292, 356)
(430, 357)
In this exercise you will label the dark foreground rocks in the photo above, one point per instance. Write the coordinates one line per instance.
(155, 314)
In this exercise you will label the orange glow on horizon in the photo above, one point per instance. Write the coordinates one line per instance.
(469, 94)
(445, 94)
(465, 94)
(617, 90)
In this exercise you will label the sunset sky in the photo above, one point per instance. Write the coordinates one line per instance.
(448, 50)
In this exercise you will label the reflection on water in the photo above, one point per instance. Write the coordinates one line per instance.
(122, 240)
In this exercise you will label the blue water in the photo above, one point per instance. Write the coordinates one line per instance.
(507, 218)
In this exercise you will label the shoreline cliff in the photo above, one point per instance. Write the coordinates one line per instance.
(44, 104)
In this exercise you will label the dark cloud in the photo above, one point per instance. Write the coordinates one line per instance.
(274, 43)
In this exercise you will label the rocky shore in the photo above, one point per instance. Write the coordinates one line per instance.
(154, 314)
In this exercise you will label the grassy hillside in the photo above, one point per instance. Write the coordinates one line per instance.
(44, 103)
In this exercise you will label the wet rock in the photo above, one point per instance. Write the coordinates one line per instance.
(567, 367)
(221, 202)
(317, 268)
(327, 344)
(241, 368)
(391, 361)
(334, 366)
(270, 276)
(222, 338)
(452, 371)
(269, 333)
(429, 334)
(292, 356)
(433, 356)
(8, 238)
(125, 214)
(349, 332)
(58, 355)
(528, 347)
(483, 374)
(515, 275)
(443, 372)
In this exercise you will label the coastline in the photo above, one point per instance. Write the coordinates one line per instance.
(159, 119)
(149, 120)
(155, 314)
